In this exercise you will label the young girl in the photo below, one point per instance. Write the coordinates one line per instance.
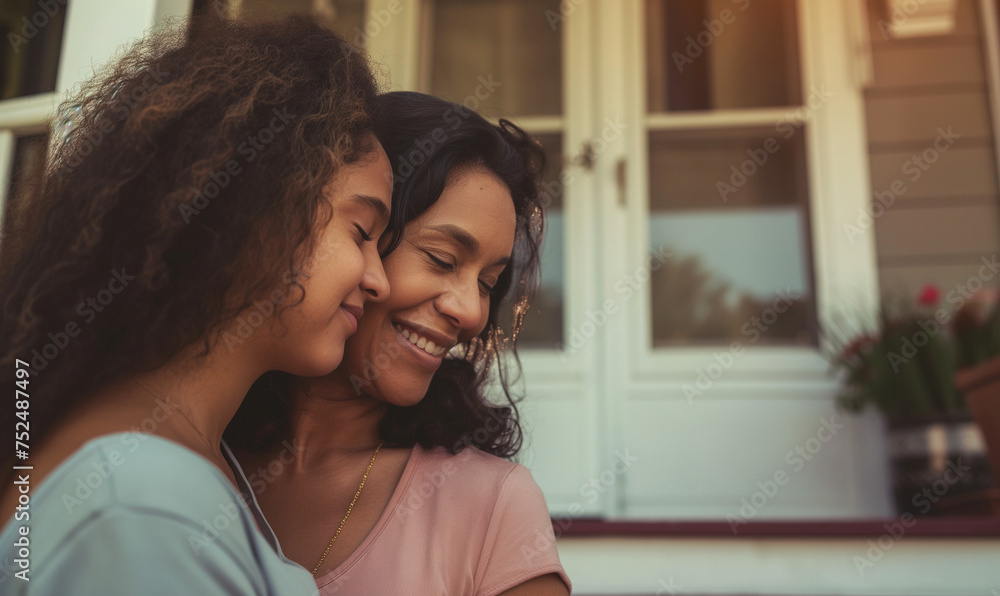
(399, 482)
(209, 217)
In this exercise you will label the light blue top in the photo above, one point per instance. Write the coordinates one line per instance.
(133, 513)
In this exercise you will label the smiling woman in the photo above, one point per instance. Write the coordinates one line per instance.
(407, 413)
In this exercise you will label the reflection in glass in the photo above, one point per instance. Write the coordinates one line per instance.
(503, 56)
(32, 36)
(543, 324)
(721, 54)
(738, 254)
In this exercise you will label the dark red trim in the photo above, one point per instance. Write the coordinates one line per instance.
(943, 527)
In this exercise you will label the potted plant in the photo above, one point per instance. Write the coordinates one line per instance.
(977, 338)
(905, 368)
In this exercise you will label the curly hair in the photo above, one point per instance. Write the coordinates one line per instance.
(428, 139)
(189, 185)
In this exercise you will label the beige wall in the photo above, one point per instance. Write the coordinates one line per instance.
(948, 218)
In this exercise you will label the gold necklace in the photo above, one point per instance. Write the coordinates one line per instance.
(349, 509)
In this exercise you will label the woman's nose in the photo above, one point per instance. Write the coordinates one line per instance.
(463, 304)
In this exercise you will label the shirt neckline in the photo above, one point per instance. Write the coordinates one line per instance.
(248, 495)
(390, 509)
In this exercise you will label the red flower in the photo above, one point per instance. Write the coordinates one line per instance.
(930, 295)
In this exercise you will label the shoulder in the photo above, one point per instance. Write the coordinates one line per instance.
(496, 506)
(474, 473)
(130, 478)
(479, 489)
(138, 470)
(159, 512)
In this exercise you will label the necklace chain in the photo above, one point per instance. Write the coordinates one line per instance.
(349, 509)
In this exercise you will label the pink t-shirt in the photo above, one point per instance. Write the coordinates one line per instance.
(468, 524)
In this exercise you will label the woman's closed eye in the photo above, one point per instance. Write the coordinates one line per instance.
(439, 262)
(487, 286)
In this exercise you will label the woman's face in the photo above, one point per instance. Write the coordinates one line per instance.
(441, 275)
(343, 274)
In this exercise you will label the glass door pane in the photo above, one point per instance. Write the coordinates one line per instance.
(508, 40)
(721, 54)
(730, 202)
(503, 59)
(542, 327)
(32, 37)
(26, 173)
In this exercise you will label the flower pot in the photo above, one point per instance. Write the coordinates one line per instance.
(981, 386)
(936, 458)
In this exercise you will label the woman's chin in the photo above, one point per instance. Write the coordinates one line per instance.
(402, 399)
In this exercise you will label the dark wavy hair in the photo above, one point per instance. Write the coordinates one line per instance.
(192, 181)
(427, 140)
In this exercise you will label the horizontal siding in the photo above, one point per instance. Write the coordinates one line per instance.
(949, 65)
(938, 231)
(962, 171)
(948, 216)
(900, 281)
(915, 118)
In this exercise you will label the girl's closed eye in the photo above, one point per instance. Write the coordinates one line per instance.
(365, 236)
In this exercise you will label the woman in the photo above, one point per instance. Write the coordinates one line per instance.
(209, 217)
(388, 475)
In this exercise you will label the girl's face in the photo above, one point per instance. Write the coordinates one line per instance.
(342, 275)
(441, 276)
